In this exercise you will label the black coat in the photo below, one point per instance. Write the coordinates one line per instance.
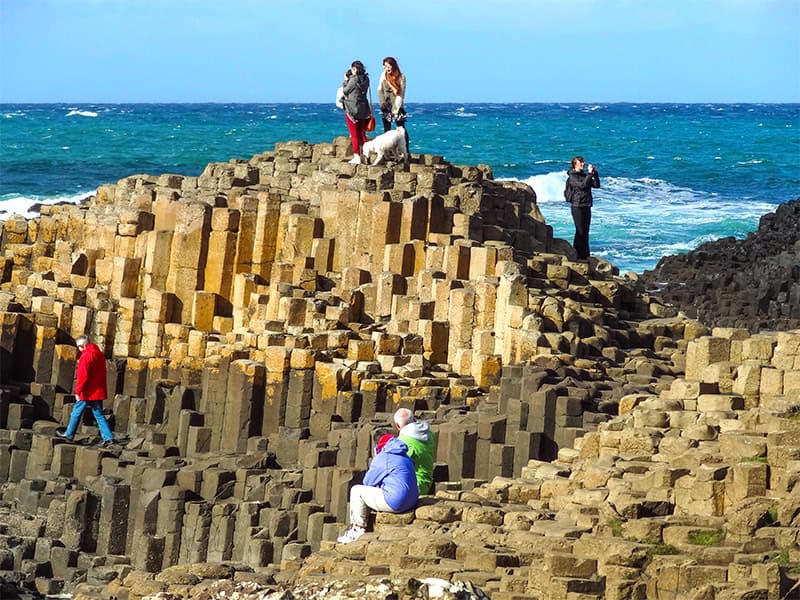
(578, 191)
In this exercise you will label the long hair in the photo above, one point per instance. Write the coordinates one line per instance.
(359, 67)
(394, 77)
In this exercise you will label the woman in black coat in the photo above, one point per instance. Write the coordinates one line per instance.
(578, 192)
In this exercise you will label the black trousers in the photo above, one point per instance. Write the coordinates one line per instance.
(400, 120)
(582, 217)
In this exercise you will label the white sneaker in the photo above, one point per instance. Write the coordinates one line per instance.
(356, 160)
(351, 535)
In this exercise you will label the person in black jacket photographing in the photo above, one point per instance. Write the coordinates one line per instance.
(578, 193)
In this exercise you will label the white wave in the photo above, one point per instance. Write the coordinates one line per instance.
(81, 113)
(623, 201)
(686, 245)
(749, 162)
(11, 115)
(548, 187)
(21, 205)
(461, 112)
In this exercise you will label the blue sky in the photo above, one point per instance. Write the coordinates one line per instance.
(451, 50)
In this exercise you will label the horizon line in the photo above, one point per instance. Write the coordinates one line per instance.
(571, 102)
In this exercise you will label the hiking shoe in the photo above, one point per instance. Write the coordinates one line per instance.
(351, 535)
(105, 443)
(62, 433)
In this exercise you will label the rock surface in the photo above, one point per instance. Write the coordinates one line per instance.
(263, 319)
(752, 283)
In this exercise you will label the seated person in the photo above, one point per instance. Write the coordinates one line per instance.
(421, 445)
(390, 485)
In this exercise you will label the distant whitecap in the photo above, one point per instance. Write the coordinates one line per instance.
(461, 112)
(81, 113)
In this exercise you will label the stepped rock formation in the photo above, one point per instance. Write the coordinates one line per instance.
(752, 283)
(263, 319)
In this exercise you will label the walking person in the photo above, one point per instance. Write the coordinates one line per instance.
(390, 485)
(357, 110)
(578, 192)
(391, 95)
(90, 389)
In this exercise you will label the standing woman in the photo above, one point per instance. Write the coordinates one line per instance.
(357, 111)
(578, 192)
(391, 95)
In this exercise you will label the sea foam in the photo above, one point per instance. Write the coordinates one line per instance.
(81, 113)
(625, 210)
(21, 205)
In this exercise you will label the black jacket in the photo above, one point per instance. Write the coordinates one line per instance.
(355, 90)
(578, 191)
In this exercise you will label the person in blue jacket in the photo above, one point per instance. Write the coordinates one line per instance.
(390, 485)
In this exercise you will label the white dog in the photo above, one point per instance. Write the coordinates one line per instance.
(391, 144)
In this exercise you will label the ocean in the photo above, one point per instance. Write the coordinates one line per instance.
(673, 175)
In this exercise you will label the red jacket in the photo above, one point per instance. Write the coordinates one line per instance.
(90, 377)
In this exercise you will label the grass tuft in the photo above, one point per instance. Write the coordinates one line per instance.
(782, 557)
(616, 527)
(663, 549)
(707, 538)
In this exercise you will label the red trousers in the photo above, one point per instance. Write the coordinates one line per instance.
(358, 132)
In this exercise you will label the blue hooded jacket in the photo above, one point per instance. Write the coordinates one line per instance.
(393, 472)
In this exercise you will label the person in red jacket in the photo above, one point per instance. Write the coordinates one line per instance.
(90, 388)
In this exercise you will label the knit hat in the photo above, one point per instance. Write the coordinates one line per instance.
(382, 442)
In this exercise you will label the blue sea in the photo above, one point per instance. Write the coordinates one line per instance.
(673, 175)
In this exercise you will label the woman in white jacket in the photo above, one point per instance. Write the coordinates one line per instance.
(391, 95)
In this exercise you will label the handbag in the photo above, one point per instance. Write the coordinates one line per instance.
(371, 121)
(340, 97)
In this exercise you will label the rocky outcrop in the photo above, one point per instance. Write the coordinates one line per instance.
(689, 493)
(752, 283)
(263, 319)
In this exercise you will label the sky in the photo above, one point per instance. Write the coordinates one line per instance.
(109, 51)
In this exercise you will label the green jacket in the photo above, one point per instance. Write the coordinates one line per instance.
(421, 444)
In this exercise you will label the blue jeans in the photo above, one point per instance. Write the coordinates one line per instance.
(97, 411)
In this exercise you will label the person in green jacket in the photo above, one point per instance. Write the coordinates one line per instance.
(421, 443)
